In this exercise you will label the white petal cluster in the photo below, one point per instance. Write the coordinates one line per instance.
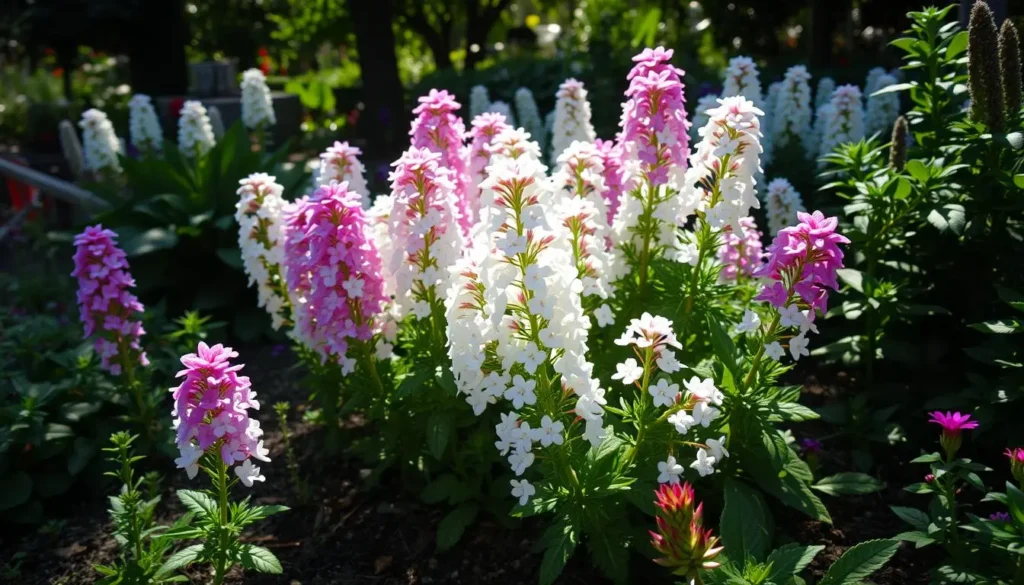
(144, 127)
(378, 217)
(843, 119)
(259, 213)
(479, 100)
(100, 142)
(700, 113)
(791, 118)
(341, 163)
(529, 115)
(741, 79)
(782, 204)
(823, 93)
(500, 107)
(571, 118)
(721, 178)
(581, 210)
(883, 109)
(257, 104)
(195, 134)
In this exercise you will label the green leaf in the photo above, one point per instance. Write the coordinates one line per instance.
(1018, 181)
(259, 559)
(860, 561)
(439, 428)
(779, 471)
(231, 256)
(1002, 326)
(745, 521)
(438, 490)
(848, 483)
(927, 458)
(15, 489)
(724, 348)
(450, 530)
(853, 278)
(82, 452)
(912, 516)
(151, 240)
(918, 170)
(561, 543)
(49, 485)
(957, 44)
(920, 539)
(1015, 502)
(794, 412)
(609, 552)
(950, 217)
(789, 560)
(180, 559)
(199, 503)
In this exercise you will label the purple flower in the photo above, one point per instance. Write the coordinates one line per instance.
(809, 446)
(740, 254)
(999, 517)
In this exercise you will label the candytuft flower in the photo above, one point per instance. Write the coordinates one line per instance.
(741, 79)
(685, 545)
(257, 104)
(791, 117)
(439, 129)
(341, 163)
(195, 133)
(108, 310)
(843, 119)
(144, 128)
(260, 216)
(783, 203)
(571, 120)
(740, 253)
(100, 143)
(529, 116)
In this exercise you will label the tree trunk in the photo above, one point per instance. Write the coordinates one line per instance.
(158, 63)
(383, 118)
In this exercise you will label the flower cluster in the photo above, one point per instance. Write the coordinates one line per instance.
(684, 544)
(529, 115)
(341, 163)
(802, 262)
(438, 128)
(211, 410)
(571, 121)
(616, 182)
(783, 202)
(740, 252)
(843, 118)
(479, 100)
(424, 232)
(791, 117)
(721, 182)
(654, 127)
(260, 216)
(741, 79)
(100, 143)
(700, 113)
(874, 80)
(107, 309)
(335, 273)
(195, 134)
(144, 127)
(823, 93)
(257, 104)
(882, 109)
(485, 128)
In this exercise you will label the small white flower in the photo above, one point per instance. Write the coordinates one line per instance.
(717, 447)
(798, 346)
(670, 470)
(682, 421)
(774, 350)
(189, 460)
(704, 390)
(806, 321)
(549, 432)
(384, 350)
(604, 316)
(628, 371)
(704, 414)
(520, 461)
(522, 489)
(531, 357)
(751, 322)
(353, 286)
(248, 473)
(261, 452)
(521, 392)
(667, 361)
(704, 464)
(664, 393)
(790, 316)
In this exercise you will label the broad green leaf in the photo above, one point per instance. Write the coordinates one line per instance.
(950, 217)
(1001, 326)
(853, 278)
(918, 170)
(231, 256)
(199, 503)
(912, 516)
(957, 44)
(790, 560)
(848, 483)
(439, 489)
(180, 559)
(82, 452)
(439, 428)
(744, 522)
(1015, 502)
(610, 553)
(920, 539)
(148, 241)
(259, 559)
(1018, 181)
(15, 490)
(450, 530)
(561, 543)
(724, 348)
(860, 561)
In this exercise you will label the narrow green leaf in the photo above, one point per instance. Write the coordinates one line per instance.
(439, 427)
(789, 560)
(561, 544)
(725, 349)
(180, 559)
(848, 483)
(912, 516)
(860, 561)
(199, 503)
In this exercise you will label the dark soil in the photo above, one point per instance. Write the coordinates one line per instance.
(351, 535)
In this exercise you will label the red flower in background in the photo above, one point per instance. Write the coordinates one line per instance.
(263, 52)
(174, 106)
(58, 72)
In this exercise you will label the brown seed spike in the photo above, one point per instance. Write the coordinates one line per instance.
(983, 79)
(1009, 68)
(898, 147)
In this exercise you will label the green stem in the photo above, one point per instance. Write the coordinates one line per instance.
(644, 395)
(221, 568)
(692, 292)
(756, 362)
(645, 251)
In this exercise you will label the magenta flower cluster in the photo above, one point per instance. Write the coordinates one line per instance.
(654, 125)
(613, 174)
(952, 422)
(803, 259)
(211, 409)
(740, 254)
(333, 265)
(108, 310)
(438, 128)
